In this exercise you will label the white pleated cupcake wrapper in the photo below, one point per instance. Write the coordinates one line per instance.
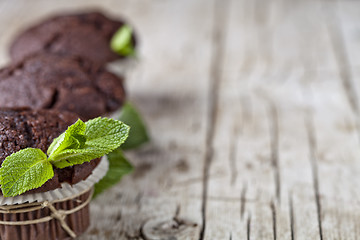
(66, 189)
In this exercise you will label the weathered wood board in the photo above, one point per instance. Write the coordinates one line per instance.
(253, 108)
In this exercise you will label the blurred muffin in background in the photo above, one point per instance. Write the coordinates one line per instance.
(88, 35)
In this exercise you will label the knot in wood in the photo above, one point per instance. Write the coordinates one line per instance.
(168, 229)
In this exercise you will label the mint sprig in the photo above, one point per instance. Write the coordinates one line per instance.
(118, 167)
(121, 41)
(30, 168)
(88, 141)
(138, 134)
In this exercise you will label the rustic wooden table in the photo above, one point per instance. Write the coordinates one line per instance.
(254, 113)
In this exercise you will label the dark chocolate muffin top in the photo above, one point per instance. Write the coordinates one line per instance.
(22, 128)
(50, 81)
(87, 35)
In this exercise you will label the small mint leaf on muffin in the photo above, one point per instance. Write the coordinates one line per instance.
(138, 134)
(103, 135)
(118, 167)
(121, 42)
(24, 170)
(71, 138)
(82, 142)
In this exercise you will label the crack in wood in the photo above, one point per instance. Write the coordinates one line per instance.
(314, 169)
(274, 145)
(118, 216)
(177, 211)
(219, 32)
(273, 213)
(292, 217)
(248, 227)
(243, 201)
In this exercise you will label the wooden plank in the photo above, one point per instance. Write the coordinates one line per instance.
(169, 86)
(284, 77)
(339, 148)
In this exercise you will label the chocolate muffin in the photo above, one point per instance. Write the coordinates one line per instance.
(67, 83)
(22, 128)
(86, 34)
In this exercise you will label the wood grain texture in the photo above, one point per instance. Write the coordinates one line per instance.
(253, 108)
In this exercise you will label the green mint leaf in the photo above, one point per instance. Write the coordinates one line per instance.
(106, 133)
(103, 135)
(121, 42)
(72, 138)
(118, 167)
(24, 170)
(138, 134)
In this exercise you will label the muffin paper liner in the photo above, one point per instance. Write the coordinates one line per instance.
(66, 190)
(57, 220)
